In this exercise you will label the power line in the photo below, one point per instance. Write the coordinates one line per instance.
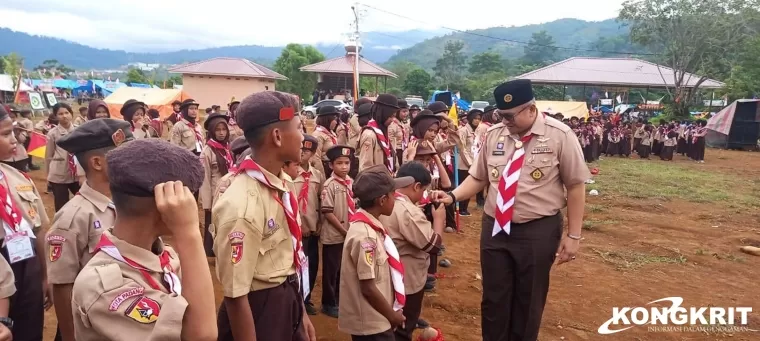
(511, 40)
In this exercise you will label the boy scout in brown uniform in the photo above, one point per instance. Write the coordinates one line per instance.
(416, 238)
(308, 185)
(266, 277)
(186, 133)
(134, 288)
(525, 242)
(370, 303)
(337, 206)
(77, 226)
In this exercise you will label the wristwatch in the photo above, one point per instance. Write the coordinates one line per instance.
(7, 322)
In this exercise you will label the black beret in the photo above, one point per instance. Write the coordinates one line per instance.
(424, 115)
(212, 117)
(387, 100)
(376, 181)
(414, 107)
(239, 145)
(437, 107)
(327, 110)
(310, 143)
(188, 102)
(129, 108)
(264, 108)
(364, 109)
(338, 150)
(403, 104)
(513, 94)
(131, 167)
(94, 134)
(488, 109)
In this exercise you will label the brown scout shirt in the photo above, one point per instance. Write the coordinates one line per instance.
(25, 195)
(342, 132)
(79, 120)
(182, 135)
(468, 136)
(354, 130)
(113, 301)
(371, 152)
(364, 258)
(324, 142)
(414, 238)
(76, 232)
(333, 200)
(250, 228)
(311, 216)
(395, 134)
(21, 136)
(57, 159)
(211, 177)
(7, 280)
(553, 161)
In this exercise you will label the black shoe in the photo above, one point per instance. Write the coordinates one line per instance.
(422, 324)
(430, 283)
(464, 213)
(310, 309)
(330, 311)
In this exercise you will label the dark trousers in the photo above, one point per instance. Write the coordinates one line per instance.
(400, 157)
(331, 259)
(26, 309)
(515, 270)
(354, 167)
(481, 198)
(328, 170)
(311, 248)
(277, 313)
(433, 267)
(464, 204)
(412, 310)
(208, 240)
(384, 336)
(61, 193)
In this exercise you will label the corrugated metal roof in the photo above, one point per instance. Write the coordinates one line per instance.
(224, 66)
(345, 64)
(611, 71)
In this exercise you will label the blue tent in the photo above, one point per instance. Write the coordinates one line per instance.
(139, 85)
(64, 83)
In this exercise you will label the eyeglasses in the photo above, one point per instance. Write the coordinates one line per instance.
(511, 117)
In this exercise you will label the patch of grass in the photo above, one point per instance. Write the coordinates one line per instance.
(630, 260)
(700, 252)
(592, 208)
(588, 225)
(642, 179)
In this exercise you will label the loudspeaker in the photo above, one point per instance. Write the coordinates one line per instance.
(444, 97)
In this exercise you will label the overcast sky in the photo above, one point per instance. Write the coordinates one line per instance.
(164, 25)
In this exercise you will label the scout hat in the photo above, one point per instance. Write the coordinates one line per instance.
(130, 107)
(364, 109)
(327, 110)
(437, 107)
(238, 145)
(95, 134)
(513, 94)
(214, 117)
(337, 151)
(423, 149)
(403, 104)
(176, 102)
(414, 107)
(360, 102)
(129, 167)
(488, 109)
(422, 122)
(188, 102)
(310, 143)
(387, 100)
(375, 182)
(264, 108)
(474, 112)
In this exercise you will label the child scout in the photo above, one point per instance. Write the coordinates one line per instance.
(134, 288)
(77, 226)
(372, 277)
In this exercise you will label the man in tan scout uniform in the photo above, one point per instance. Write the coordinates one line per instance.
(518, 247)
(186, 133)
(256, 226)
(134, 288)
(77, 226)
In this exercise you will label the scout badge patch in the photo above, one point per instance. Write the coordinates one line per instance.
(118, 137)
(123, 297)
(536, 174)
(236, 244)
(144, 310)
(56, 247)
(369, 257)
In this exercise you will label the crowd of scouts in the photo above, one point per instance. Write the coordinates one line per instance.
(609, 136)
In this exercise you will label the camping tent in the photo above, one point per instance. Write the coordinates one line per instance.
(6, 84)
(159, 99)
(568, 109)
(736, 126)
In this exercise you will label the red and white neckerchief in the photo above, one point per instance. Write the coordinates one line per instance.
(170, 277)
(331, 135)
(198, 136)
(11, 214)
(507, 190)
(72, 165)
(347, 183)
(394, 260)
(389, 162)
(404, 135)
(288, 204)
(225, 148)
(303, 196)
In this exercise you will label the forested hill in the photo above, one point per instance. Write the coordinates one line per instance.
(602, 35)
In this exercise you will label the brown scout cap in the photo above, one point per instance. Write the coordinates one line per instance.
(376, 181)
(264, 108)
(95, 134)
(135, 168)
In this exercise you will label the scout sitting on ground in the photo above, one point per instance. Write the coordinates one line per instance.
(78, 225)
(337, 206)
(372, 283)
(131, 289)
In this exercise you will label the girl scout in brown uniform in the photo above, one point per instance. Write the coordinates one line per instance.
(134, 288)
(134, 113)
(256, 224)
(518, 249)
(97, 109)
(216, 159)
(186, 133)
(62, 170)
(78, 225)
(327, 120)
(21, 245)
(374, 144)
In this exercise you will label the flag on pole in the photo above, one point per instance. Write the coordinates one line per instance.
(37, 145)
(453, 115)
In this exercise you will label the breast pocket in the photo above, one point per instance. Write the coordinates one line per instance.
(382, 270)
(494, 172)
(273, 254)
(540, 167)
(29, 206)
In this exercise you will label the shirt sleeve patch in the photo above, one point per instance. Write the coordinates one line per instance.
(123, 297)
(145, 310)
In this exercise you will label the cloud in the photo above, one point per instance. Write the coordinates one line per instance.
(163, 25)
(394, 47)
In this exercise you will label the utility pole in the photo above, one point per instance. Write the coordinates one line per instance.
(355, 9)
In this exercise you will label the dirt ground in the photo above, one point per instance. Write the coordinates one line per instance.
(644, 239)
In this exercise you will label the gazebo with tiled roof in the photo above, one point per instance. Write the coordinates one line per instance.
(338, 73)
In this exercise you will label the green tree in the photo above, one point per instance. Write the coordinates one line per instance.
(744, 81)
(418, 83)
(288, 64)
(541, 49)
(486, 62)
(401, 69)
(449, 68)
(13, 64)
(51, 68)
(695, 36)
(136, 76)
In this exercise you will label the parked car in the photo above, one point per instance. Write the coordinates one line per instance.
(311, 110)
(412, 100)
(478, 105)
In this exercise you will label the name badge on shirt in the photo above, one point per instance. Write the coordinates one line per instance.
(498, 153)
(304, 276)
(19, 246)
